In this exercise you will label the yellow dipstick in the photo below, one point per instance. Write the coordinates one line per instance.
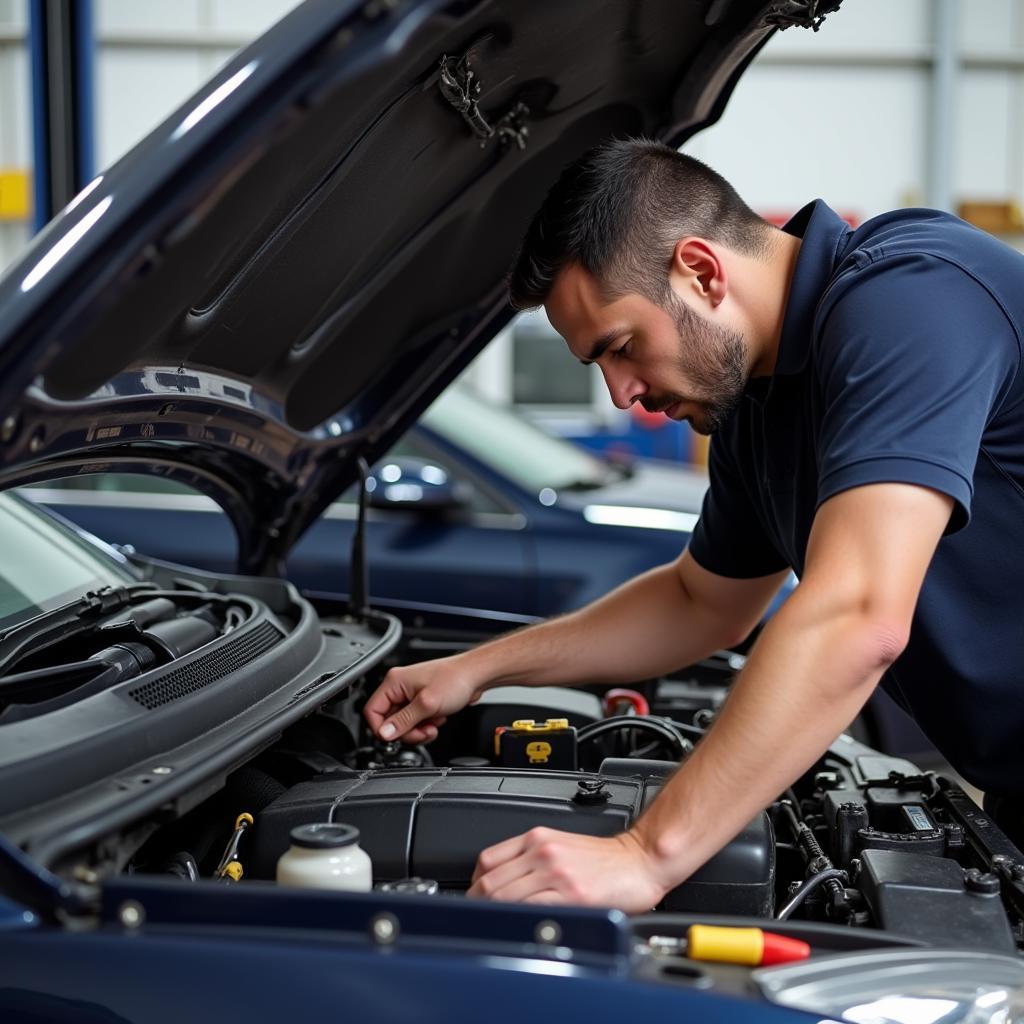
(230, 868)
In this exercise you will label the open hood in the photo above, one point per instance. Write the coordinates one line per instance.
(277, 280)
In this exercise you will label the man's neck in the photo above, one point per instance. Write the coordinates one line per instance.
(773, 278)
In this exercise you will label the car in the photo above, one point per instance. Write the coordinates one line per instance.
(257, 303)
(474, 507)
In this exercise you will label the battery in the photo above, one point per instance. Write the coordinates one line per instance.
(530, 744)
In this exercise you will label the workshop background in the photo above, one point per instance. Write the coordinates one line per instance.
(919, 102)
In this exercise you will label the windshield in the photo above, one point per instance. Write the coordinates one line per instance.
(43, 565)
(514, 446)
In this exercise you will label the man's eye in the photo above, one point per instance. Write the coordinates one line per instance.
(622, 350)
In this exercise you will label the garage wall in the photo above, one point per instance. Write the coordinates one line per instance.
(847, 114)
(15, 132)
(153, 54)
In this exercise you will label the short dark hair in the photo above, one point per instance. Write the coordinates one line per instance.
(619, 210)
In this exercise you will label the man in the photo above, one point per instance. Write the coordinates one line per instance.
(864, 394)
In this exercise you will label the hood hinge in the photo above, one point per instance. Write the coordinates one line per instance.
(461, 88)
(785, 14)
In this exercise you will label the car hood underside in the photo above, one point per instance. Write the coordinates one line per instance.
(275, 282)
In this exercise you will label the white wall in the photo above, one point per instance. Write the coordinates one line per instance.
(154, 54)
(844, 114)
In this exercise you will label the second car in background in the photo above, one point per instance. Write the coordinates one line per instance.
(475, 505)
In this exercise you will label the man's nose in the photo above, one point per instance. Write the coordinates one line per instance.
(624, 388)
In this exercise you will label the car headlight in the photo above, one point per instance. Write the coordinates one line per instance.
(902, 987)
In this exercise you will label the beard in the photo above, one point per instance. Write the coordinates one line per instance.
(714, 359)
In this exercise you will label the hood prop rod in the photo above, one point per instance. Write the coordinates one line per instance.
(359, 584)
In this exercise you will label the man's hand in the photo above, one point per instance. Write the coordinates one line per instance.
(414, 701)
(545, 866)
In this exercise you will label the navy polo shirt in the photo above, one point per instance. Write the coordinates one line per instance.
(899, 361)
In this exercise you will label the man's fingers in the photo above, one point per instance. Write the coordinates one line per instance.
(423, 707)
(490, 883)
(387, 698)
(498, 854)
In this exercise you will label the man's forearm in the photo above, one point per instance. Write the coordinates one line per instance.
(806, 679)
(644, 628)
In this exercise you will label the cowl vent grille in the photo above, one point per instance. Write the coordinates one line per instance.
(204, 671)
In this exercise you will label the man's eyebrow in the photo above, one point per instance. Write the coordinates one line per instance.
(598, 348)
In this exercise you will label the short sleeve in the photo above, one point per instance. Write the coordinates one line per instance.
(729, 538)
(914, 358)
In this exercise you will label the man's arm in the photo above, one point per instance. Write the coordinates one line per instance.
(812, 669)
(666, 618)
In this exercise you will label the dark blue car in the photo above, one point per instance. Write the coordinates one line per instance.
(257, 304)
(473, 508)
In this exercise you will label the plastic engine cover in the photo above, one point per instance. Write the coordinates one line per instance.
(433, 823)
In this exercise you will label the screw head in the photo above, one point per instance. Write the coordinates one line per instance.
(548, 933)
(384, 929)
(131, 914)
(8, 428)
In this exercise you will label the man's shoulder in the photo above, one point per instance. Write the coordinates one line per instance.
(921, 238)
(930, 260)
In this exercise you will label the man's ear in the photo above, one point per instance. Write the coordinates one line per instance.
(698, 268)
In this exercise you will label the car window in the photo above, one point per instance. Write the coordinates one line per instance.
(512, 445)
(43, 565)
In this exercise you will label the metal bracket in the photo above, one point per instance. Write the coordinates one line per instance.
(810, 14)
(461, 88)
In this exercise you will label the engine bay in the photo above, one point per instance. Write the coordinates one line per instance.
(240, 750)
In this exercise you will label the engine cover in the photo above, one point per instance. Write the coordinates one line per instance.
(434, 822)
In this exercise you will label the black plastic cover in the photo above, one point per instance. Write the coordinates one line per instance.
(434, 823)
(925, 897)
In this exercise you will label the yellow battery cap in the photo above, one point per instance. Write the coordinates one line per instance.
(529, 725)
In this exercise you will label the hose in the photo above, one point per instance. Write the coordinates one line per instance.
(812, 883)
(664, 729)
(825, 872)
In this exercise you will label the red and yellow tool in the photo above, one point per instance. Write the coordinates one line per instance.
(752, 946)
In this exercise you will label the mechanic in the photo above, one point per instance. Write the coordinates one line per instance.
(863, 393)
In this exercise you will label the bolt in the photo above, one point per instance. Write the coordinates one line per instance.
(548, 932)
(131, 914)
(162, 769)
(592, 791)
(8, 429)
(36, 442)
(981, 881)
(384, 929)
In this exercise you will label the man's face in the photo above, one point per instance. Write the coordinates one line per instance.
(668, 358)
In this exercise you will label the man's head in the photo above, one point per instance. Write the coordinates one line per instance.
(631, 255)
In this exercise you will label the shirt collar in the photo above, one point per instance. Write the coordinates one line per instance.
(823, 232)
